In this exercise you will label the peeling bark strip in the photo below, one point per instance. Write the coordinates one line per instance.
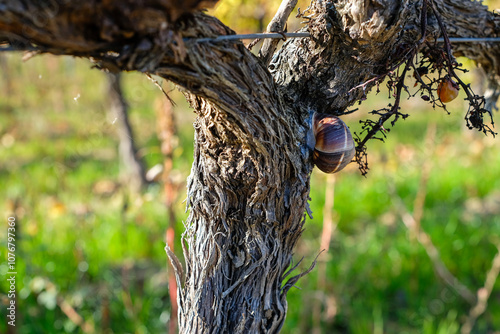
(249, 184)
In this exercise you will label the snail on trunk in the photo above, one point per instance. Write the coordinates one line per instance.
(331, 142)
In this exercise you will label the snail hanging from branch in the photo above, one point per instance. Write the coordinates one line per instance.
(331, 142)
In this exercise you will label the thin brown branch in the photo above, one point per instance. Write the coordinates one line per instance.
(133, 167)
(294, 279)
(329, 227)
(172, 285)
(483, 294)
(167, 131)
(419, 203)
(277, 24)
(372, 128)
(474, 116)
(73, 315)
(69, 311)
(412, 222)
(433, 253)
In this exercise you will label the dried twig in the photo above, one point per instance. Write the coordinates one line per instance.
(133, 166)
(433, 253)
(437, 60)
(475, 115)
(150, 77)
(483, 294)
(167, 131)
(277, 24)
(329, 227)
(412, 222)
(72, 315)
(69, 311)
(372, 128)
(294, 279)
(419, 203)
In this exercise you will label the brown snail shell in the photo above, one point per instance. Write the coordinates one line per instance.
(334, 147)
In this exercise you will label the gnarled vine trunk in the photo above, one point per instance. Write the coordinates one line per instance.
(249, 184)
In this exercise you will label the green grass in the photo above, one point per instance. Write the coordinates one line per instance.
(102, 251)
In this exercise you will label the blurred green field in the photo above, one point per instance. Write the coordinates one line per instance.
(85, 241)
(81, 235)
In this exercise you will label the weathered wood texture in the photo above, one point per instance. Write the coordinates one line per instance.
(354, 41)
(249, 184)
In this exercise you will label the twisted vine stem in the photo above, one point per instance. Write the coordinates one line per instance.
(434, 59)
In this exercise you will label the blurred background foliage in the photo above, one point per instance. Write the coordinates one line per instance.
(90, 252)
